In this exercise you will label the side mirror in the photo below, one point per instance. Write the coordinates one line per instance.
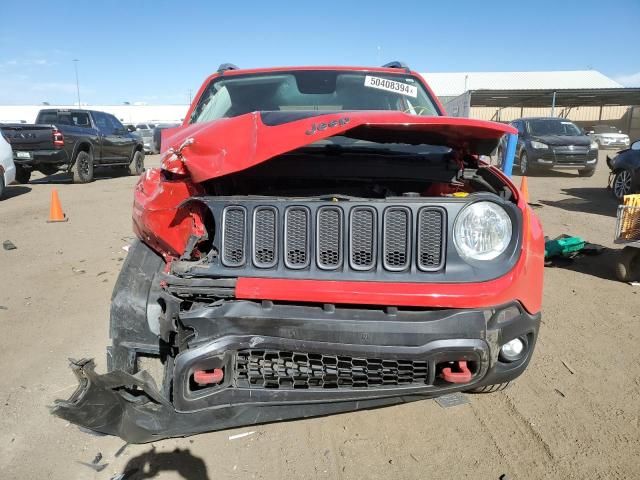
(635, 145)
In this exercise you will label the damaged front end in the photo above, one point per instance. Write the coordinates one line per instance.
(284, 277)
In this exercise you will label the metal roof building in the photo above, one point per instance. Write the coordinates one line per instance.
(585, 96)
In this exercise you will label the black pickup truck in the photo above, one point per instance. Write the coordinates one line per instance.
(75, 141)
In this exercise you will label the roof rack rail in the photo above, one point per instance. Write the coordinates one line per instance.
(227, 66)
(397, 64)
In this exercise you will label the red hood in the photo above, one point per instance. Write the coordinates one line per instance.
(229, 145)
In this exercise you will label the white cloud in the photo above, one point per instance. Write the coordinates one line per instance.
(630, 80)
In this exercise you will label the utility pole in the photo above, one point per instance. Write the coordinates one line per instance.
(75, 65)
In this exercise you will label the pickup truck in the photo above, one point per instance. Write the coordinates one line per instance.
(74, 141)
(316, 240)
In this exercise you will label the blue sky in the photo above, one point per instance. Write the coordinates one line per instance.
(156, 51)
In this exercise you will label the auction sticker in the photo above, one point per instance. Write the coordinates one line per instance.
(391, 86)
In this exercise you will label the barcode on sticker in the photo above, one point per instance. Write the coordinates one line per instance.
(391, 86)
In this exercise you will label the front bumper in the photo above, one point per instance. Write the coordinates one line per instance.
(304, 343)
(550, 160)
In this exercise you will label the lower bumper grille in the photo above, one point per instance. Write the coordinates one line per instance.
(283, 370)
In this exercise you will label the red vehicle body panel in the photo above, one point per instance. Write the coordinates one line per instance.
(229, 145)
(522, 283)
(165, 220)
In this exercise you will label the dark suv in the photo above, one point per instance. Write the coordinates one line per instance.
(552, 143)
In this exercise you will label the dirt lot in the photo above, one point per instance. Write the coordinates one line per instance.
(574, 414)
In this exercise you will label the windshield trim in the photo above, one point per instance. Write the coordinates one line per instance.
(190, 120)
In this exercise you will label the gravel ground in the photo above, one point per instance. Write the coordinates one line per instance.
(574, 414)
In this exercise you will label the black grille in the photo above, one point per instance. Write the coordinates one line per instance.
(363, 238)
(329, 237)
(264, 237)
(396, 238)
(295, 370)
(296, 238)
(430, 241)
(233, 237)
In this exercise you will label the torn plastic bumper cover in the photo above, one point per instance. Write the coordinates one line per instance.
(131, 407)
(380, 360)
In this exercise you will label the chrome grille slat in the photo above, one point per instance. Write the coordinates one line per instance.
(396, 236)
(430, 238)
(296, 237)
(265, 227)
(329, 238)
(233, 236)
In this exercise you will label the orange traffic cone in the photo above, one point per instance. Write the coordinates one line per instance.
(524, 189)
(55, 211)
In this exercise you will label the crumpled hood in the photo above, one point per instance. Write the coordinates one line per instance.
(229, 145)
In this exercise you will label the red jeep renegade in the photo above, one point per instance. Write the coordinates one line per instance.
(317, 240)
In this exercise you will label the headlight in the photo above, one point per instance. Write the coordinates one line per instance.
(539, 145)
(594, 145)
(482, 231)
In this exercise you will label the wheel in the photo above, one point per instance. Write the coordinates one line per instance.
(83, 168)
(628, 264)
(524, 163)
(497, 387)
(622, 184)
(136, 167)
(22, 174)
(587, 172)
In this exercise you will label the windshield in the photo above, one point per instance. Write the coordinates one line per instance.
(316, 90)
(605, 129)
(552, 127)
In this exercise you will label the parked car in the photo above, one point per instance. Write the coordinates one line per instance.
(7, 167)
(552, 144)
(75, 141)
(145, 130)
(607, 136)
(309, 248)
(625, 171)
(157, 135)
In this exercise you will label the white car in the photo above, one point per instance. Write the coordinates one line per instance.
(609, 136)
(7, 168)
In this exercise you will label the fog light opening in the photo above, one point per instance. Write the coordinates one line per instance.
(513, 350)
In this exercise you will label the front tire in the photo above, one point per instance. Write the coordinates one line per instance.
(524, 163)
(622, 183)
(83, 168)
(22, 175)
(628, 264)
(136, 167)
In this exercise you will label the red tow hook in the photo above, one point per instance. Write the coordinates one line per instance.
(208, 377)
(463, 375)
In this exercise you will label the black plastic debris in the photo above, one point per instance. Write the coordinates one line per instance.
(8, 245)
(121, 450)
